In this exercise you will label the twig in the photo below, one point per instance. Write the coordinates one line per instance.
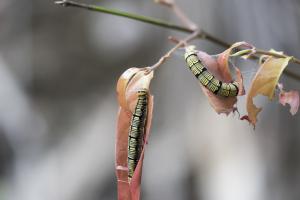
(201, 34)
(278, 55)
(185, 20)
(169, 53)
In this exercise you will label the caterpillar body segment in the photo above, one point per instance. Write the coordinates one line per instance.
(136, 131)
(207, 79)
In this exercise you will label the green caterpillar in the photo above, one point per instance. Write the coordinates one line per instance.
(207, 79)
(136, 132)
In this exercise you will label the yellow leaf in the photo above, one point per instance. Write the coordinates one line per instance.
(264, 83)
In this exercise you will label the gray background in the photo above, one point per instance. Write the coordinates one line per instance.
(58, 71)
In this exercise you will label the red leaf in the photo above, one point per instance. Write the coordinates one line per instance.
(130, 82)
(219, 67)
(291, 97)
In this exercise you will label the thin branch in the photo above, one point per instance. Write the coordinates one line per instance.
(185, 20)
(169, 53)
(278, 55)
(149, 20)
(201, 34)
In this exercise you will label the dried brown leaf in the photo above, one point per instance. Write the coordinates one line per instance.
(122, 85)
(264, 83)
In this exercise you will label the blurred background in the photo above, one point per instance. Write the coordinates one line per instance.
(58, 72)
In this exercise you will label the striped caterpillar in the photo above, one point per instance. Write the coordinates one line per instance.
(207, 79)
(136, 131)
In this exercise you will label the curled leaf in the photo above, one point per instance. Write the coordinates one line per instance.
(122, 85)
(129, 86)
(219, 67)
(290, 97)
(264, 83)
(140, 81)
